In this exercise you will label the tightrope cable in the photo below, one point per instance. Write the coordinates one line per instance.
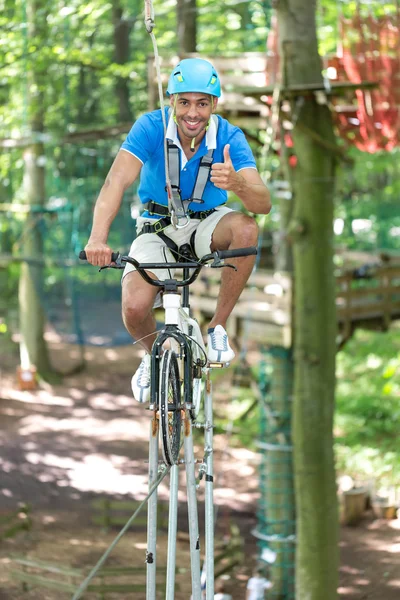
(85, 583)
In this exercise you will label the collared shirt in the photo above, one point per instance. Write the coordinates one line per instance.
(145, 141)
(210, 143)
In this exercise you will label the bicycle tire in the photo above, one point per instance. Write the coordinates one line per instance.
(170, 407)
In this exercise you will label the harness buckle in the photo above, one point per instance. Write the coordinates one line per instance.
(158, 226)
(177, 221)
(146, 227)
(175, 189)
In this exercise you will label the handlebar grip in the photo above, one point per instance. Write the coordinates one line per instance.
(114, 255)
(236, 253)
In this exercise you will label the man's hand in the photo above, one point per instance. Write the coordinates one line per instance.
(224, 176)
(98, 254)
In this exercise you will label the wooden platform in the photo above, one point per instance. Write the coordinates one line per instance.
(246, 90)
(371, 301)
(367, 297)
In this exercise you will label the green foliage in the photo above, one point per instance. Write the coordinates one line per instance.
(368, 406)
(74, 53)
(369, 191)
(328, 13)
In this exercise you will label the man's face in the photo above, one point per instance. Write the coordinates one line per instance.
(192, 112)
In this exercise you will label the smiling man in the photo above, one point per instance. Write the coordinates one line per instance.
(207, 157)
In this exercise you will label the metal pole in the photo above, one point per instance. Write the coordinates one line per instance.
(192, 510)
(172, 529)
(152, 513)
(209, 500)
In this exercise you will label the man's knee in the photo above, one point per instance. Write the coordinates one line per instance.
(235, 228)
(244, 230)
(136, 313)
(137, 301)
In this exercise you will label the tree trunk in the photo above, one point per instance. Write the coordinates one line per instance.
(121, 44)
(88, 104)
(33, 346)
(314, 310)
(186, 11)
(246, 24)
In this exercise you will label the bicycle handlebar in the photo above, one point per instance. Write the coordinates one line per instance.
(114, 255)
(195, 265)
(236, 253)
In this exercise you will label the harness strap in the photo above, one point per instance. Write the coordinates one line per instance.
(203, 174)
(170, 244)
(177, 250)
(153, 208)
(202, 177)
(174, 172)
(162, 224)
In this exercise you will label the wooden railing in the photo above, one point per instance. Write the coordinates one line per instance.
(371, 301)
(263, 312)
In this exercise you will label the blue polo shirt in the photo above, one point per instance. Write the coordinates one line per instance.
(146, 142)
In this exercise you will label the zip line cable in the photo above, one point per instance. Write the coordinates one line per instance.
(150, 24)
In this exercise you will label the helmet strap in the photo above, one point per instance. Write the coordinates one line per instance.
(212, 98)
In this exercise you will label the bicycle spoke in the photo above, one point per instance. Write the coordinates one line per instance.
(170, 407)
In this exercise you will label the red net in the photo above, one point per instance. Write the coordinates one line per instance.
(370, 52)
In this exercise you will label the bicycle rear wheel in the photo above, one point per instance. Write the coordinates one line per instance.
(170, 407)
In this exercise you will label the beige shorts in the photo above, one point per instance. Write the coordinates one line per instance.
(149, 247)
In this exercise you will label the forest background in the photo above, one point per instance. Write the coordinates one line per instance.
(89, 65)
(78, 72)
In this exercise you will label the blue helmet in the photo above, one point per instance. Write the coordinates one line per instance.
(194, 75)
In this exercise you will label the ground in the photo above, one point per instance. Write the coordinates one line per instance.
(67, 444)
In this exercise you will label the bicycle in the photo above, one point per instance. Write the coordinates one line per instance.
(180, 376)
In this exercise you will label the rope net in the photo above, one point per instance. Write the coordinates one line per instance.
(81, 305)
(276, 512)
(369, 51)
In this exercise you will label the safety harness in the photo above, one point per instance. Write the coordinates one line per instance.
(181, 206)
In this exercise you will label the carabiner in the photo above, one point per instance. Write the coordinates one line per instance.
(176, 221)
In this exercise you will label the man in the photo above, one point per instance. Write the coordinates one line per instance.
(194, 89)
(257, 585)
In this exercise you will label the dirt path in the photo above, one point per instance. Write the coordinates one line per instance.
(65, 445)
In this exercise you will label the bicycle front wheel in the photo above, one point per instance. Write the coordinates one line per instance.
(170, 407)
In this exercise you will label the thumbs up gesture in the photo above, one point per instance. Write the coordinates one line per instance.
(223, 175)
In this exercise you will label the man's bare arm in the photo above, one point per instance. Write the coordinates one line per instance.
(124, 171)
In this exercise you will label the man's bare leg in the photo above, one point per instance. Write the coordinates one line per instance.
(137, 309)
(234, 230)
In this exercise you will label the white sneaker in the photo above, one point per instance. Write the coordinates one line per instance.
(218, 348)
(141, 381)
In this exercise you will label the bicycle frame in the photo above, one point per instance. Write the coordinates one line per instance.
(184, 333)
(180, 329)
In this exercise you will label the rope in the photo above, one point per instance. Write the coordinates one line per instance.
(150, 24)
(85, 583)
